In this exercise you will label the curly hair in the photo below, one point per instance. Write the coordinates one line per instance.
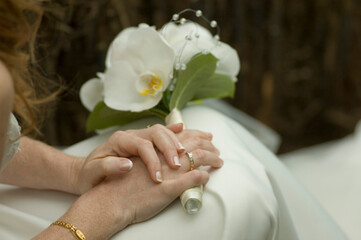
(19, 22)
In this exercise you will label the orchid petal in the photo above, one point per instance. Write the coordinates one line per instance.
(229, 63)
(91, 93)
(118, 44)
(120, 89)
(153, 51)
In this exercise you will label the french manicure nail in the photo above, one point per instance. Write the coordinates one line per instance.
(181, 146)
(126, 165)
(158, 176)
(176, 161)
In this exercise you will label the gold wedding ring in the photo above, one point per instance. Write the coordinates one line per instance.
(190, 157)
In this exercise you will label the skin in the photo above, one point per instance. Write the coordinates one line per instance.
(37, 161)
(6, 101)
(144, 198)
(128, 193)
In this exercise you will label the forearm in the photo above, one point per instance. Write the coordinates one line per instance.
(40, 166)
(94, 220)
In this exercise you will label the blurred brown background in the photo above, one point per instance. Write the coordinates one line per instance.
(301, 65)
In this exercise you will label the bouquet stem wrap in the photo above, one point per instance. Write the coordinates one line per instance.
(191, 199)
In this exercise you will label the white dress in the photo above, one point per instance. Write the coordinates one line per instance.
(331, 172)
(12, 141)
(252, 197)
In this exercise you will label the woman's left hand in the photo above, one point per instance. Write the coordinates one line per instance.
(112, 157)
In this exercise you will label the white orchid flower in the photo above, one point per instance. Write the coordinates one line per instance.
(91, 93)
(139, 67)
(176, 35)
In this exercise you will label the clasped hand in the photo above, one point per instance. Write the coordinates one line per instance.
(150, 145)
(123, 196)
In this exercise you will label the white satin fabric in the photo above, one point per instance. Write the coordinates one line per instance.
(252, 197)
(12, 141)
(331, 172)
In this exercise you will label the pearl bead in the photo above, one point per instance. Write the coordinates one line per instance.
(213, 24)
(182, 21)
(197, 35)
(199, 13)
(188, 37)
(177, 66)
(216, 37)
(184, 67)
(175, 17)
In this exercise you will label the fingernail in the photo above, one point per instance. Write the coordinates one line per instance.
(126, 165)
(181, 146)
(158, 176)
(176, 161)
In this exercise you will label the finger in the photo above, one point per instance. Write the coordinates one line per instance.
(178, 144)
(200, 143)
(131, 145)
(176, 128)
(167, 147)
(190, 133)
(150, 158)
(113, 165)
(101, 168)
(176, 186)
(171, 130)
(202, 158)
(149, 133)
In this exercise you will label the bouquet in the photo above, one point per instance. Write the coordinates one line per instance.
(157, 72)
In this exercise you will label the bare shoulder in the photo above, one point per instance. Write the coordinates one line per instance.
(6, 83)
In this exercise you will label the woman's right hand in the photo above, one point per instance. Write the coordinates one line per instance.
(133, 197)
(130, 198)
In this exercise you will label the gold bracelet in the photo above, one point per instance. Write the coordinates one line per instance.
(74, 230)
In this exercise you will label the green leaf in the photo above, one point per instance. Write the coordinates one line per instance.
(217, 86)
(158, 111)
(198, 70)
(104, 117)
(166, 98)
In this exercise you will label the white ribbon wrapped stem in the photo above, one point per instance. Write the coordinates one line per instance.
(191, 199)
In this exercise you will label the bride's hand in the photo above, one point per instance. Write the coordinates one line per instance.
(201, 142)
(112, 157)
(133, 197)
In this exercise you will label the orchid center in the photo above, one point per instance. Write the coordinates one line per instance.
(150, 84)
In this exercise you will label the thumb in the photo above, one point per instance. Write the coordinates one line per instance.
(112, 165)
(97, 170)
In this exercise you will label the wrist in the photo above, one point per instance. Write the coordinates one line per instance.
(76, 232)
(75, 166)
(88, 215)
